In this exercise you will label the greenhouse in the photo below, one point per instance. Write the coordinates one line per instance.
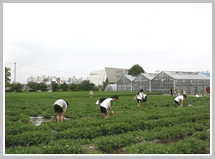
(192, 82)
(143, 81)
(111, 87)
(124, 84)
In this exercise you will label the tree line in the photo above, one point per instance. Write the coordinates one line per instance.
(34, 86)
(83, 86)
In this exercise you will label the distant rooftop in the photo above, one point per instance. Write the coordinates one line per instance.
(149, 75)
(186, 75)
(130, 77)
(207, 74)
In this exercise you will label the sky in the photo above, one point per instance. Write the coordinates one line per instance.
(74, 39)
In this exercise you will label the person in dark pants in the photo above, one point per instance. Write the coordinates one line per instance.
(171, 92)
(141, 97)
(60, 107)
(178, 99)
(105, 106)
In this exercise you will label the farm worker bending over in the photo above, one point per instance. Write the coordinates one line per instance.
(98, 102)
(178, 99)
(60, 107)
(91, 93)
(106, 105)
(140, 97)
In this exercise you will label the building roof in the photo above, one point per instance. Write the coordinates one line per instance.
(208, 74)
(111, 86)
(130, 77)
(186, 75)
(150, 76)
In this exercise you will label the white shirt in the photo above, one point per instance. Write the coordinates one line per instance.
(179, 98)
(140, 95)
(106, 102)
(61, 103)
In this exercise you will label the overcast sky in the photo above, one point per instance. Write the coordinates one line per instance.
(75, 39)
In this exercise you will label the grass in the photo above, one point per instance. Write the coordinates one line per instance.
(85, 114)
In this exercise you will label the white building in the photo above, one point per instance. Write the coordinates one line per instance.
(108, 74)
(98, 77)
(55, 79)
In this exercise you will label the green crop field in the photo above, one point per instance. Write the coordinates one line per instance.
(148, 129)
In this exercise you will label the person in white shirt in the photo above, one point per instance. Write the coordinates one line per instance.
(105, 106)
(91, 93)
(184, 92)
(60, 107)
(174, 92)
(179, 99)
(141, 97)
(179, 91)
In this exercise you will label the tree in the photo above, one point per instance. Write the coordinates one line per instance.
(43, 87)
(16, 87)
(86, 85)
(7, 75)
(104, 85)
(55, 86)
(45, 80)
(73, 87)
(34, 85)
(95, 88)
(100, 87)
(135, 70)
(78, 87)
(64, 86)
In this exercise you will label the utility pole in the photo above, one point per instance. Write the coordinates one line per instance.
(14, 76)
(14, 72)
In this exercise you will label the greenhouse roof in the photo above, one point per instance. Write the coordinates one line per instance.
(130, 77)
(149, 75)
(186, 75)
(113, 86)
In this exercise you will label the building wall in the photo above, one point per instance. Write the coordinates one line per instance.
(124, 85)
(114, 74)
(98, 77)
(141, 82)
(197, 86)
(162, 83)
